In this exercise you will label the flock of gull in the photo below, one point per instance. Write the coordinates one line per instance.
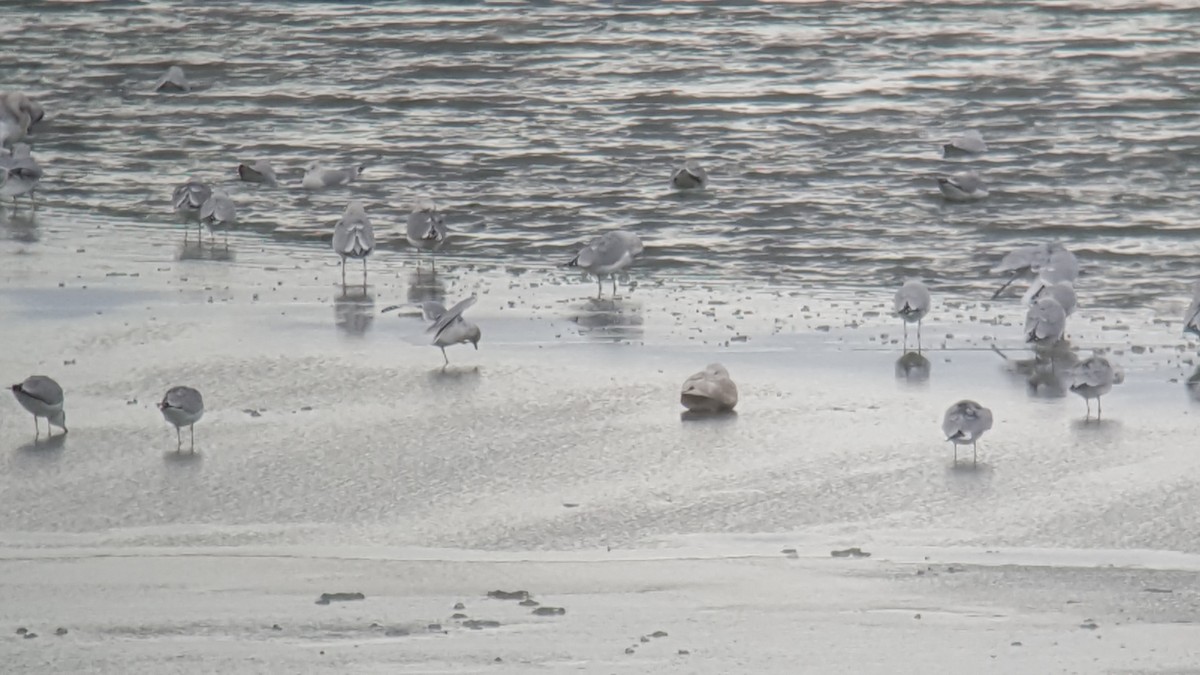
(1050, 297)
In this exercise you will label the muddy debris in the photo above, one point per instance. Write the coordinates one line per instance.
(480, 624)
(459, 605)
(853, 552)
(60, 631)
(458, 615)
(549, 611)
(327, 598)
(529, 603)
(508, 595)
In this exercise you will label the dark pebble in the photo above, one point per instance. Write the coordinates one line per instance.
(22, 630)
(629, 650)
(659, 634)
(434, 627)
(683, 652)
(529, 603)
(458, 616)
(854, 552)
(549, 611)
(30, 635)
(459, 605)
(276, 627)
(395, 632)
(60, 631)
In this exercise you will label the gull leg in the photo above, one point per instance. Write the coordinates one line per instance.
(905, 324)
(444, 357)
(1089, 409)
(37, 431)
(364, 274)
(918, 336)
(343, 274)
(178, 440)
(955, 445)
(1099, 407)
(192, 428)
(614, 280)
(600, 287)
(974, 455)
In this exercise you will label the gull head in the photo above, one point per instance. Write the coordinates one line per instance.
(59, 419)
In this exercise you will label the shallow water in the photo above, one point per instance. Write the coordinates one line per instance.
(535, 127)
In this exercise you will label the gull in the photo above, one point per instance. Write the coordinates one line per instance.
(183, 407)
(709, 391)
(218, 209)
(258, 171)
(426, 227)
(19, 173)
(691, 176)
(353, 237)
(1045, 322)
(1052, 262)
(969, 142)
(18, 114)
(451, 328)
(317, 177)
(911, 303)
(1191, 318)
(173, 81)
(1092, 378)
(964, 423)
(1062, 291)
(608, 254)
(962, 187)
(43, 397)
(189, 197)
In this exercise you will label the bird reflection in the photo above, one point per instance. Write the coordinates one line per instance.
(913, 368)
(424, 285)
(1193, 385)
(354, 311)
(20, 225)
(1047, 374)
(198, 250)
(609, 319)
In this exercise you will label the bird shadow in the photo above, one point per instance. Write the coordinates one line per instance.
(913, 368)
(719, 417)
(609, 319)
(198, 249)
(50, 447)
(354, 311)
(424, 285)
(456, 374)
(1095, 425)
(184, 457)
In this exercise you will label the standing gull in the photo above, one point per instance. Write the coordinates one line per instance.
(426, 228)
(608, 254)
(911, 304)
(1045, 322)
(962, 187)
(964, 423)
(218, 209)
(1092, 378)
(451, 328)
(1191, 318)
(317, 177)
(709, 391)
(969, 142)
(43, 397)
(258, 171)
(173, 81)
(1061, 291)
(353, 237)
(19, 173)
(18, 114)
(183, 407)
(691, 176)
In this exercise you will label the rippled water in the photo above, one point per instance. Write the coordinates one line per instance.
(820, 124)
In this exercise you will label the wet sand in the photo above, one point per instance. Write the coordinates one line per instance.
(338, 455)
